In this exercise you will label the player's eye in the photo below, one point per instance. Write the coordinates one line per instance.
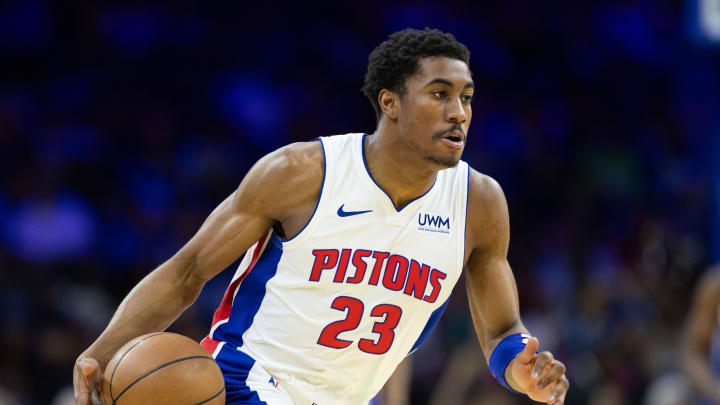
(439, 94)
(467, 98)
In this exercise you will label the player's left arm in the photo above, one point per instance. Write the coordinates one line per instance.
(493, 299)
(397, 388)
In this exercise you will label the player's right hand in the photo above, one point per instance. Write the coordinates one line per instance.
(540, 376)
(87, 381)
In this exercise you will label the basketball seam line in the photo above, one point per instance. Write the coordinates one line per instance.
(147, 373)
(212, 397)
(121, 359)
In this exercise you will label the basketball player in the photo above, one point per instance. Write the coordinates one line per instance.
(354, 244)
(701, 338)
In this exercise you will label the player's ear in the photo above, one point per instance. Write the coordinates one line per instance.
(389, 103)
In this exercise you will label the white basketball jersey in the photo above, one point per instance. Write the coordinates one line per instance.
(331, 312)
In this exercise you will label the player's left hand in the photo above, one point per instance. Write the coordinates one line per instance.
(540, 376)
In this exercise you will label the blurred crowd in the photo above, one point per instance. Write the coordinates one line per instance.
(123, 124)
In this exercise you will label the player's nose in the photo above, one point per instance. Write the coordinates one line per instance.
(456, 112)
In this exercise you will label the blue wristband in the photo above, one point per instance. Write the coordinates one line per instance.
(503, 354)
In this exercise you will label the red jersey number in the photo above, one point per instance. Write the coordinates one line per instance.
(385, 328)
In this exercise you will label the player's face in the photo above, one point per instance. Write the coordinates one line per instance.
(435, 110)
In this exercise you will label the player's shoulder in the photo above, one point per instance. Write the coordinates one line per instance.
(287, 177)
(294, 159)
(485, 195)
(488, 221)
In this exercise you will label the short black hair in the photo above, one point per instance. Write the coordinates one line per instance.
(397, 58)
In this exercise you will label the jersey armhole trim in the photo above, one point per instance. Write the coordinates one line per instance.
(464, 237)
(317, 203)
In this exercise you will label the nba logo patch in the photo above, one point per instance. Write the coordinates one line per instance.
(433, 223)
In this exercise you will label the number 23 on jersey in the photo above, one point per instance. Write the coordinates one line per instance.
(389, 318)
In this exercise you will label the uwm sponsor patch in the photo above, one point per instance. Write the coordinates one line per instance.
(433, 223)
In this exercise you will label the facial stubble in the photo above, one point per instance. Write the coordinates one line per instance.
(442, 161)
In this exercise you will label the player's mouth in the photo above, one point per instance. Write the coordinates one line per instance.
(453, 139)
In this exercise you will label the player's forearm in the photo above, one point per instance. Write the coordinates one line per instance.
(489, 341)
(151, 306)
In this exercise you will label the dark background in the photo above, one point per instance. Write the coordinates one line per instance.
(123, 124)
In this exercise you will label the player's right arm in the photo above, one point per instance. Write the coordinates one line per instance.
(280, 189)
(697, 336)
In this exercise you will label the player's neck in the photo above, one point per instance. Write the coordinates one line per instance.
(397, 170)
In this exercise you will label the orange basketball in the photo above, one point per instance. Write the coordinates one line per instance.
(163, 368)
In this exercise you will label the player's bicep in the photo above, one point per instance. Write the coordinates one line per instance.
(226, 234)
(224, 237)
(270, 192)
(234, 225)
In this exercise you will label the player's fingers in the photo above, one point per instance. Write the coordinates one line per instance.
(87, 381)
(88, 399)
(539, 395)
(559, 391)
(542, 360)
(95, 398)
(81, 399)
(88, 371)
(528, 353)
(555, 371)
(91, 370)
(82, 392)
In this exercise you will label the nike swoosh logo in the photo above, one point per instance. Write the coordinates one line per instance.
(342, 213)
